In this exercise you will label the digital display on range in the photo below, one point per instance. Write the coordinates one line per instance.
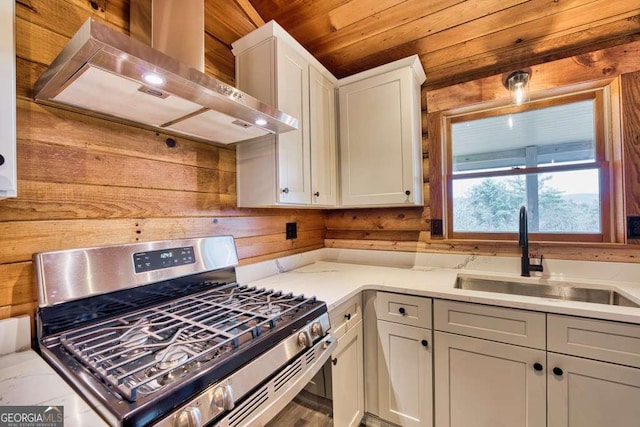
(165, 258)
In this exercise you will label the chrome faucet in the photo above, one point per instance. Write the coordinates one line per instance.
(523, 241)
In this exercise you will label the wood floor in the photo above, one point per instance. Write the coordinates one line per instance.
(306, 410)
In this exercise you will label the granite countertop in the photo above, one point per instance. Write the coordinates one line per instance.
(335, 282)
(26, 379)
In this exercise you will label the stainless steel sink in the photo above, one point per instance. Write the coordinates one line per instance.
(562, 292)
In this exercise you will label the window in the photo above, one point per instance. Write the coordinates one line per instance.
(549, 156)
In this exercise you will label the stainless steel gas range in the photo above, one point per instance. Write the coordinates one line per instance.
(160, 333)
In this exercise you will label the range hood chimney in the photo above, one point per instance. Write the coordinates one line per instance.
(161, 85)
(174, 27)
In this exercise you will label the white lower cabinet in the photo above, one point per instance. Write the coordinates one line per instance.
(601, 388)
(347, 370)
(347, 379)
(525, 380)
(590, 393)
(405, 374)
(483, 383)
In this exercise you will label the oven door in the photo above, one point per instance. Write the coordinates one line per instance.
(269, 400)
(313, 406)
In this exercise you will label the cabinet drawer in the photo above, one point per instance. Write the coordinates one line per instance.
(595, 339)
(345, 316)
(508, 325)
(406, 309)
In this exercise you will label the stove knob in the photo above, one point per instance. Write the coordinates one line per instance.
(222, 399)
(316, 329)
(304, 340)
(188, 417)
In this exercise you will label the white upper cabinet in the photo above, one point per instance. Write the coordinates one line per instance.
(294, 157)
(380, 135)
(8, 176)
(295, 168)
(322, 98)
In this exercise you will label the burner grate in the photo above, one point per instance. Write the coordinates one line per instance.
(149, 349)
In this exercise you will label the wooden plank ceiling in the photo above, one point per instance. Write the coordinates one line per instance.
(456, 40)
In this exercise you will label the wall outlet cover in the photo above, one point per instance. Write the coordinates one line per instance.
(633, 227)
(291, 230)
(436, 227)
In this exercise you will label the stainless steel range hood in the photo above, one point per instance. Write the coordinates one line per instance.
(111, 74)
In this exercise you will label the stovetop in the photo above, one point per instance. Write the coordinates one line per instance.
(145, 351)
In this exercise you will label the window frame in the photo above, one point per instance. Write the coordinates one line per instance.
(600, 163)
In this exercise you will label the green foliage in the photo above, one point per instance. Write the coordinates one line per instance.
(492, 205)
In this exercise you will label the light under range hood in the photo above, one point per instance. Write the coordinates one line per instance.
(109, 73)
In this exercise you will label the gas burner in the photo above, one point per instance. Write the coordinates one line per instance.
(164, 379)
(233, 302)
(270, 310)
(137, 334)
(171, 357)
(208, 350)
(135, 338)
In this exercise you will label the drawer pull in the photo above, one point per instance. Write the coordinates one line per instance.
(334, 361)
(402, 311)
(537, 366)
(347, 316)
(425, 343)
(558, 372)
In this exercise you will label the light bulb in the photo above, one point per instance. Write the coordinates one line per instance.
(518, 85)
(519, 94)
(260, 122)
(153, 79)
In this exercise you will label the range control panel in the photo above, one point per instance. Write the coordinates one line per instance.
(165, 258)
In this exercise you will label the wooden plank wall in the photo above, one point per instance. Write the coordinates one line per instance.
(408, 229)
(84, 181)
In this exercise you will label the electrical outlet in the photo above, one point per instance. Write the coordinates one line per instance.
(291, 230)
(436, 227)
(633, 227)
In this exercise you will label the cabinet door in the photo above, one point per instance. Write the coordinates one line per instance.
(589, 393)
(8, 164)
(294, 161)
(377, 132)
(405, 374)
(348, 379)
(483, 383)
(322, 123)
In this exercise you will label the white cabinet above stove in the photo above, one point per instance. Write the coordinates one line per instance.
(297, 168)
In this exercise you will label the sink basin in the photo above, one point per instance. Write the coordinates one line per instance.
(562, 292)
